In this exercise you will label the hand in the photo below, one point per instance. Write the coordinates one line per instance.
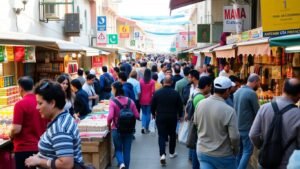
(186, 118)
(33, 161)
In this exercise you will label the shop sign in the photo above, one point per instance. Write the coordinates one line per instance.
(113, 39)
(183, 40)
(252, 34)
(101, 38)
(101, 23)
(236, 18)
(10, 53)
(132, 43)
(233, 39)
(192, 39)
(124, 31)
(280, 17)
(29, 55)
(98, 61)
(203, 31)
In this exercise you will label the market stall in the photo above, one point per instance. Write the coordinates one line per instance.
(95, 137)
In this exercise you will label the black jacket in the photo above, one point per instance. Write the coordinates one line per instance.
(81, 103)
(167, 103)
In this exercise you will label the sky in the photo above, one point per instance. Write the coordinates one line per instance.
(152, 8)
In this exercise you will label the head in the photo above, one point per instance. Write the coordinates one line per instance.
(168, 80)
(65, 84)
(168, 72)
(133, 74)
(25, 85)
(183, 64)
(117, 89)
(253, 81)
(80, 72)
(90, 79)
(177, 69)
(50, 98)
(147, 75)
(291, 89)
(122, 77)
(237, 83)
(186, 71)
(163, 67)
(87, 72)
(194, 76)
(155, 77)
(226, 67)
(104, 69)
(154, 68)
(222, 86)
(116, 70)
(75, 85)
(205, 83)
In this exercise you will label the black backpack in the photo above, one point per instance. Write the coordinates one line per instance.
(126, 121)
(185, 94)
(272, 150)
(108, 82)
(190, 108)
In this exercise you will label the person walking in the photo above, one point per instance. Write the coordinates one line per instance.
(80, 76)
(183, 82)
(106, 81)
(147, 91)
(136, 88)
(27, 124)
(166, 108)
(60, 145)
(88, 87)
(127, 87)
(177, 75)
(121, 141)
(290, 121)
(81, 102)
(246, 105)
(218, 136)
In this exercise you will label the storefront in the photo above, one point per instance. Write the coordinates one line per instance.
(208, 57)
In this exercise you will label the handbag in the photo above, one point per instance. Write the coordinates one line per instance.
(183, 133)
(192, 135)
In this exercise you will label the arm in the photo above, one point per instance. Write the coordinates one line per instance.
(138, 89)
(134, 110)
(254, 102)
(153, 105)
(180, 105)
(111, 113)
(17, 121)
(102, 82)
(256, 131)
(60, 163)
(234, 133)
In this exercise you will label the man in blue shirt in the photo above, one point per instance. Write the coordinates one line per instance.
(106, 81)
(127, 87)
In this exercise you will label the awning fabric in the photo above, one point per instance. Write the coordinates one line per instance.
(258, 49)
(208, 50)
(286, 41)
(227, 51)
(65, 46)
(174, 4)
(94, 52)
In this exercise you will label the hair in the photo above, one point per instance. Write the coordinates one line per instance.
(154, 68)
(26, 83)
(68, 92)
(143, 64)
(204, 81)
(122, 68)
(168, 80)
(80, 72)
(186, 71)
(177, 68)
(226, 64)
(87, 72)
(122, 75)
(290, 88)
(163, 65)
(76, 83)
(183, 64)
(116, 69)
(90, 77)
(51, 91)
(147, 75)
(119, 88)
(195, 74)
(155, 76)
(104, 68)
(220, 91)
(253, 78)
(133, 74)
(234, 78)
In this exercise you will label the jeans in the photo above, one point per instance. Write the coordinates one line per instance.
(20, 158)
(146, 116)
(195, 161)
(246, 149)
(209, 162)
(122, 143)
(166, 128)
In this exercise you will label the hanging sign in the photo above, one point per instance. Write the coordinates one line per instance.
(29, 55)
(101, 23)
(98, 61)
(10, 56)
(132, 43)
(183, 40)
(236, 18)
(280, 17)
(19, 52)
(101, 38)
(124, 31)
(203, 33)
(113, 39)
(136, 35)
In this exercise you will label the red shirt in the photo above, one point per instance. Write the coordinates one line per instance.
(33, 126)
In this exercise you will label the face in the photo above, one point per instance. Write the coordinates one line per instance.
(44, 107)
(226, 68)
(21, 91)
(65, 85)
(73, 88)
(90, 82)
(257, 85)
(207, 89)
(168, 72)
(190, 78)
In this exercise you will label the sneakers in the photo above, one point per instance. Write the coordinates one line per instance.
(173, 155)
(122, 166)
(163, 160)
(143, 131)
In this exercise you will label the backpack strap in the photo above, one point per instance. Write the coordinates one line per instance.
(128, 103)
(118, 103)
(282, 111)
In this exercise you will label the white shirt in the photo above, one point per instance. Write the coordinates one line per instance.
(68, 105)
(89, 89)
(223, 73)
(161, 76)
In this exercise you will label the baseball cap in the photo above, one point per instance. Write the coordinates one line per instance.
(93, 72)
(223, 82)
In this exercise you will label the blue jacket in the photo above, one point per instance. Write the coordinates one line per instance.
(128, 91)
(104, 87)
(81, 103)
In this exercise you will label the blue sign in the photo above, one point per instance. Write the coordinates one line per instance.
(101, 23)
(136, 34)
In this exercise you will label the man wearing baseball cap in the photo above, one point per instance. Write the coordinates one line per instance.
(218, 136)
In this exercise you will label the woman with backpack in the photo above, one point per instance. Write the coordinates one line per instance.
(147, 91)
(121, 122)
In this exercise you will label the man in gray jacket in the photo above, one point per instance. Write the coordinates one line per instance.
(290, 120)
(218, 136)
(246, 105)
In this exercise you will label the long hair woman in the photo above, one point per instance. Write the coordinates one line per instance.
(64, 81)
(147, 91)
(122, 141)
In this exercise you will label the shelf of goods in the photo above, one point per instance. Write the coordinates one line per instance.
(95, 137)
(6, 115)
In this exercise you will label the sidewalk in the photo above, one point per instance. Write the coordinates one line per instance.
(145, 154)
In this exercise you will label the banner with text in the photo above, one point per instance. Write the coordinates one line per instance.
(124, 31)
(236, 18)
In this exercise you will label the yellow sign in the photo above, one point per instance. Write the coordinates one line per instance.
(10, 53)
(280, 17)
(124, 31)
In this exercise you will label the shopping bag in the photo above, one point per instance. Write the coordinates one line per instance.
(183, 132)
(152, 126)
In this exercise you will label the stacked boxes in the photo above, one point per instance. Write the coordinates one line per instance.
(9, 95)
(6, 116)
(6, 81)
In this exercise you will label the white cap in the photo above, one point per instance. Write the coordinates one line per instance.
(92, 72)
(223, 82)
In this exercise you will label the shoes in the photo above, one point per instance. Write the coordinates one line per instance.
(143, 131)
(173, 155)
(122, 166)
(163, 160)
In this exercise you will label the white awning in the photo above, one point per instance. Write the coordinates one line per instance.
(209, 48)
(65, 46)
(94, 52)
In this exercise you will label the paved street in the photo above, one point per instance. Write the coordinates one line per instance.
(145, 154)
